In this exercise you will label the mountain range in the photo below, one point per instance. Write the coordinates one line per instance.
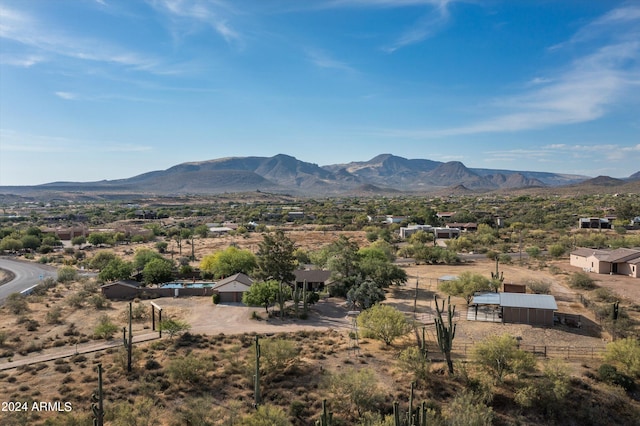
(383, 174)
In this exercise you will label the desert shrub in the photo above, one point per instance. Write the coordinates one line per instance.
(89, 287)
(42, 288)
(467, 409)
(99, 301)
(501, 355)
(173, 327)
(67, 274)
(581, 280)
(355, 391)
(266, 415)
(625, 352)
(383, 322)
(557, 250)
(539, 286)
(554, 270)
(610, 374)
(16, 303)
(139, 311)
(604, 294)
(198, 412)
(187, 369)
(32, 325)
(533, 251)
(76, 300)
(63, 368)
(152, 364)
(413, 361)
(3, 337)
(105, 328)
(141, 412)
(278, 354)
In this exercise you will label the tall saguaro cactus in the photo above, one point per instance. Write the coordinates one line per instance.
(97, 402)
(128, 343)
(498, 276)
(445, 331)
(326, 418)
(256, 378)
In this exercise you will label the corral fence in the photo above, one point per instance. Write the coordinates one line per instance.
(464, 350)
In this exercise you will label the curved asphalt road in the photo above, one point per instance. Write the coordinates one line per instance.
(27, 274)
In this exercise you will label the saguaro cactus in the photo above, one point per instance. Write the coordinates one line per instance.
(445, 331)
(256, 378)
(497, 276)
(128, 343)
(97, 402)
(326, 418)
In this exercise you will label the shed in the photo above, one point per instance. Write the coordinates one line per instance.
(121, 290)
(232, 288)
(534, 309)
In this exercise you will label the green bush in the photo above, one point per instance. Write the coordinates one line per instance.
(604, 295)
(187, 369)
(105, 328)
(67, 274)
(16, 303)
(53, 315)
(215, 298)
(581, 280)
(539, 286)
(99, 301)
(610, 374)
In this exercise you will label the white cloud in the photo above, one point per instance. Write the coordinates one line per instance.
(584, 91)
(323, 60)
(215, 14)
(22, 61)
(426, 27)
(66, 95)
(21, 28)
(13, 141)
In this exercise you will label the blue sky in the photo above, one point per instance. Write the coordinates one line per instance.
(106, 89)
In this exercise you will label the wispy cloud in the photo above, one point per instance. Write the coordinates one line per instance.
(22, 28)
(322, 59)
(426, 27)
(215, 14)
(66, 95)
(22, 61)
(13, 141)
(559, 153)
(583, 91)
(433, 21)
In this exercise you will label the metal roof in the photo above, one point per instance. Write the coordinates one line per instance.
(486, 299)
(516, 300)
(536, 301)
(448, 278)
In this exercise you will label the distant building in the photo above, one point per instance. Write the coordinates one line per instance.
(438, 232)
(395, 219)
(594, 223)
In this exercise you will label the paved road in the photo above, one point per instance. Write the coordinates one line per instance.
(27, 274)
